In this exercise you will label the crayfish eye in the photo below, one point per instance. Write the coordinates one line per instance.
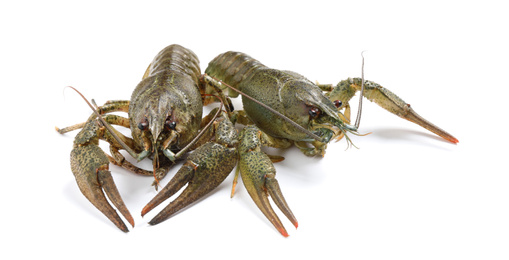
(143, 125)
(338, 103)
(314, 112)
(170, 124)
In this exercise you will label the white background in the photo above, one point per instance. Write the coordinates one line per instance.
(404, 194)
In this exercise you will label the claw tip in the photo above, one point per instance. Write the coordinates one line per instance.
(145, 210)
(131, 221)
(283, 232)
(451, 139)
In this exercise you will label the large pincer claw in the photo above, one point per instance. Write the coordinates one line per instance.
(204, 170)
(387, 100)
(90, 167)
(258, 175)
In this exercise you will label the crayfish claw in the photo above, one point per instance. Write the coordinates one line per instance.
(176, 183)
(385, 99)
(259, 193)
(204, 170)
(278, 198)
(111, 191)
(89, 165)
(258, 175)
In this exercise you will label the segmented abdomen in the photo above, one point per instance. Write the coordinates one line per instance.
(175, 58)
(233, 67)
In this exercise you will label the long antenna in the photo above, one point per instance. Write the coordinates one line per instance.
(359, 112)
(105, 124)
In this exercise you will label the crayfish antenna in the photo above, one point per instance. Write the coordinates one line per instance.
(105, 124)
(359, 112)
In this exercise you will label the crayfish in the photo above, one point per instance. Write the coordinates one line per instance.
(280, 109)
